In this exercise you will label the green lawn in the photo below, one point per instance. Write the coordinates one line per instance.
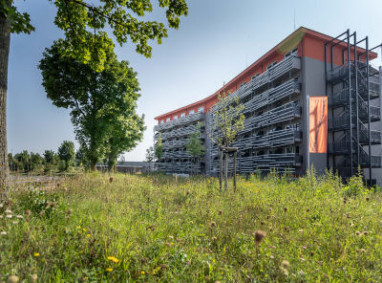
(162, 229)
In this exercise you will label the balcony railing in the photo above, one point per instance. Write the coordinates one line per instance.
(181, 121)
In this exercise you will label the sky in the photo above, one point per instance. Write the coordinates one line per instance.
(215, 42)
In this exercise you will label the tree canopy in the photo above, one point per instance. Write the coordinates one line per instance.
(102, 104)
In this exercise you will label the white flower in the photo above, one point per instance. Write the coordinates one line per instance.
(15, 222)
(9, 215)
(3, 233)
(1, 205)
(19, 217)
(8, 211)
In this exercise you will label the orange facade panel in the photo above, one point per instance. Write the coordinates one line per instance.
(318, 124)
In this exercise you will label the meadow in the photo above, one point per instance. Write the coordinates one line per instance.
(129, 228)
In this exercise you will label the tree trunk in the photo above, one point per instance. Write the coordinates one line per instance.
(221, 170)
(226, 172)
(5, 38)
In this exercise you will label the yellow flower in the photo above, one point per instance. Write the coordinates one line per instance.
(142, 272)
(78, 227)
(36, 254)
(113, 259)
(84, 230)
(109, 269)
(88, 235)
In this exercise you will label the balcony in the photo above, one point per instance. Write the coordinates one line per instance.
(181, 121)
(277, 138)
(284, 113)
(282, 160)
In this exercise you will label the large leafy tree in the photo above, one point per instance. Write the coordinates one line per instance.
(102, 103)
(86, 30)
(124, 132)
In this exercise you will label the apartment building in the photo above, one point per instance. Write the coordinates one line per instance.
(312, 100)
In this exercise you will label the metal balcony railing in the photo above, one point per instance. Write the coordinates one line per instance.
(181, 121)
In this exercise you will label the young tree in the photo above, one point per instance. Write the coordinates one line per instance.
(66, 153)
(195, 146)
(159, 147)
(102, 104)
(228, 120)
(86, 30)
(150, 156)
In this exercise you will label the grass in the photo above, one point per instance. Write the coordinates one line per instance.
(161, 229)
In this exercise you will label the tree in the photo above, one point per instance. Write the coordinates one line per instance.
(150, 156)
(124, 132)
(195, 146)
(49, 156)
(102, 104)
(228, 120)
(66, 153)
(86, 30)
(159, 147)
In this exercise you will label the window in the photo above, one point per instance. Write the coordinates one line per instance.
(201, 109)
(271, 65)
(191, 112)
(254, 76)
(293, 52)
(243, 84)
(182, 115)
(175, 117)
(168, 119)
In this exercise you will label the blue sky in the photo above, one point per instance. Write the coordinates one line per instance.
(216, 41)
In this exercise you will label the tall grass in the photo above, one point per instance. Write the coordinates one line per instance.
(91, 228)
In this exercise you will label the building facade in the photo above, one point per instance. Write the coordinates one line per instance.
(312, 100)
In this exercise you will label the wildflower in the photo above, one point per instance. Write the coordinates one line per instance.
(109, 269)
(36, 254)
(13, 279)
(15, 222)
(365, 233)
(285, 209)
(213, 224)
(259, 235)
(28, 212)
(142, 272)
(88, 235)
(8, 211)
(33, 277)
(84, 229)
(171, 237)
(19, 217)
(70, 211)
(113, 259)
(220, 212)
(284, 271)
(3, 233)
(358, 233)
(78, 227)
(9, 216)
(285, 264)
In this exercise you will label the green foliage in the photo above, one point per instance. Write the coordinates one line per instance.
(159, 147)
(228, 120)
(165, 229)
(20, 22)
(66, 152)
(78, 19)
(102, 104)
(194, 144)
